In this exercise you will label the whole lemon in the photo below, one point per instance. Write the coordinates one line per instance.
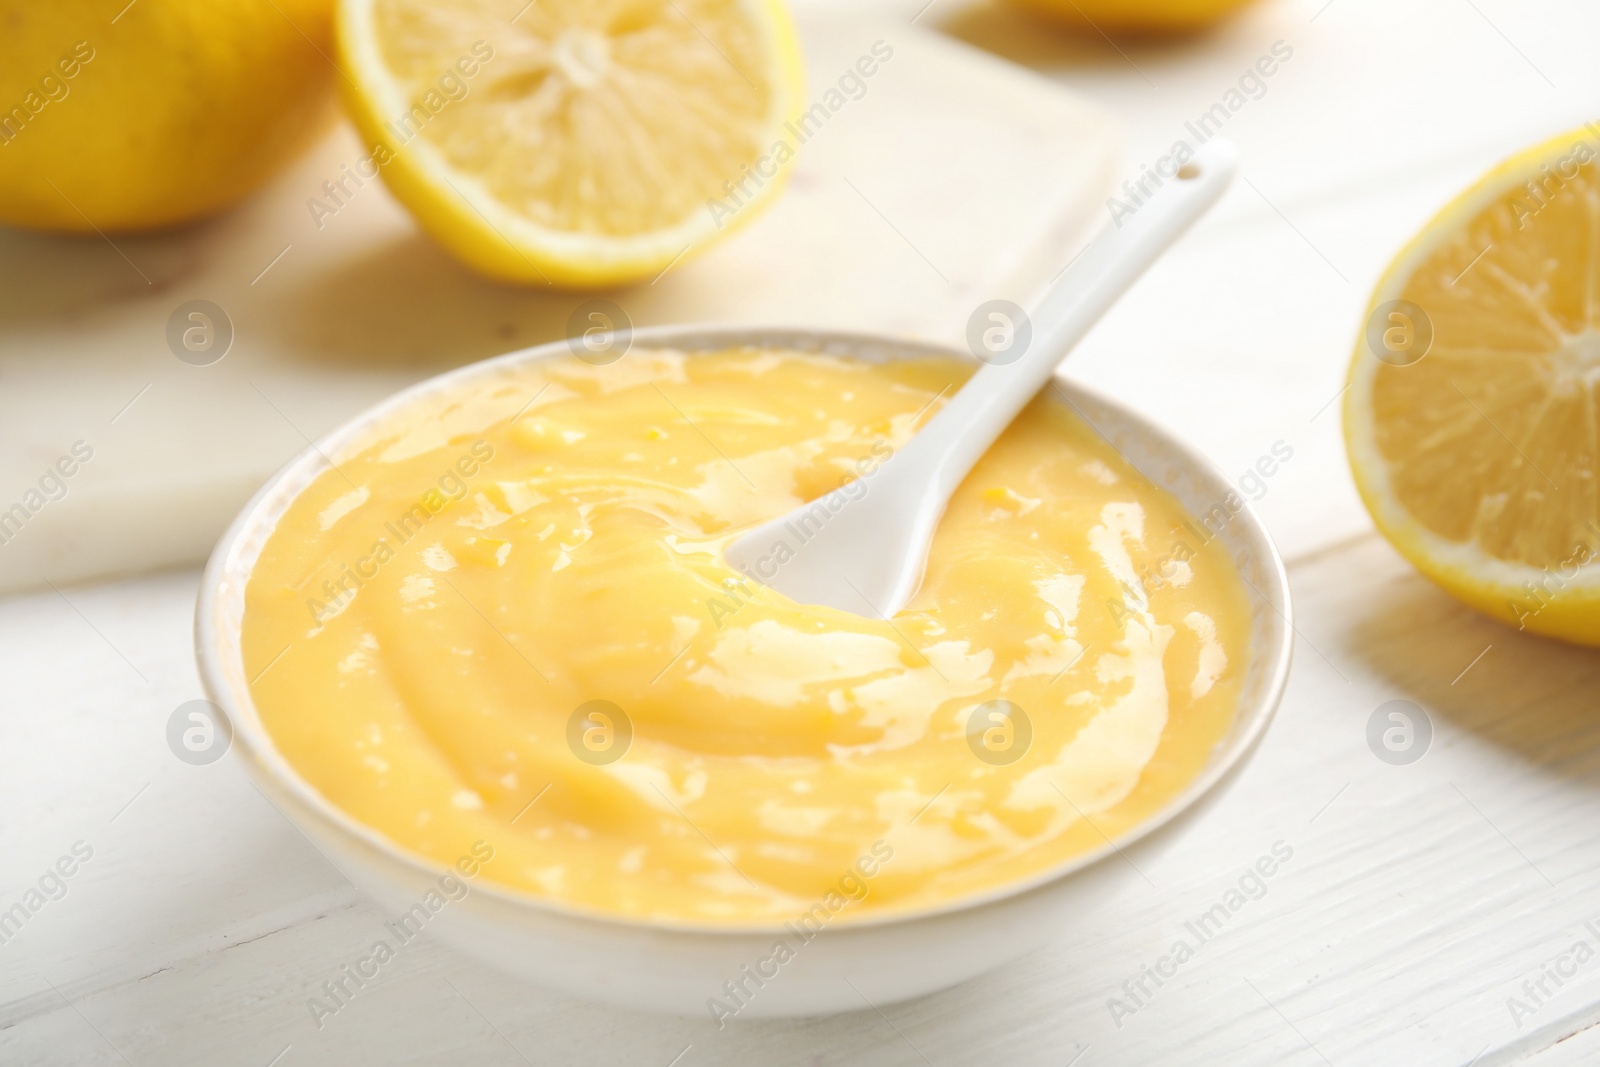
(1135, 16)
(133, 116)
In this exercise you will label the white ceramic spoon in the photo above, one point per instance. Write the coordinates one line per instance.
(862, 548)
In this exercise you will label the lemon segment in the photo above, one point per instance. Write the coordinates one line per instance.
(1470, 419)
(574, 142)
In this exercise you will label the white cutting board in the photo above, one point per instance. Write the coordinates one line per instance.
(955, 178)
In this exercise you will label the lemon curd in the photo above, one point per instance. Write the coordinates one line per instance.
(505, 617)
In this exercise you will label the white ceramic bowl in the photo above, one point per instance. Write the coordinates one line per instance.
(678, 967)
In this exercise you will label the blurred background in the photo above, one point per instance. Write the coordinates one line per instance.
(973, 166)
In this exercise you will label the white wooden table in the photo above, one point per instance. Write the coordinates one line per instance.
(1418, 900)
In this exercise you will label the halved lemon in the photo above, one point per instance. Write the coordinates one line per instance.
(1136, 16)
(1472, 419)
(576, 143)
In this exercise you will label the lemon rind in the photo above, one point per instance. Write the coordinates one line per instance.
(1495, 586)
(459, 212)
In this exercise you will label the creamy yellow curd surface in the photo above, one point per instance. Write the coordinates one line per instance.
(505, 618)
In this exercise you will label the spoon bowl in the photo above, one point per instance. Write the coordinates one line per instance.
(863, 547)
(677, 966)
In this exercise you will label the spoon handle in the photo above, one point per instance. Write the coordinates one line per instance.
(941, 455)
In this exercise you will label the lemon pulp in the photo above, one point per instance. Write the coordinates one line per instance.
(1473, 432)
(574, 142)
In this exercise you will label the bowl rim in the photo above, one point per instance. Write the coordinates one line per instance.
(213, 644)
